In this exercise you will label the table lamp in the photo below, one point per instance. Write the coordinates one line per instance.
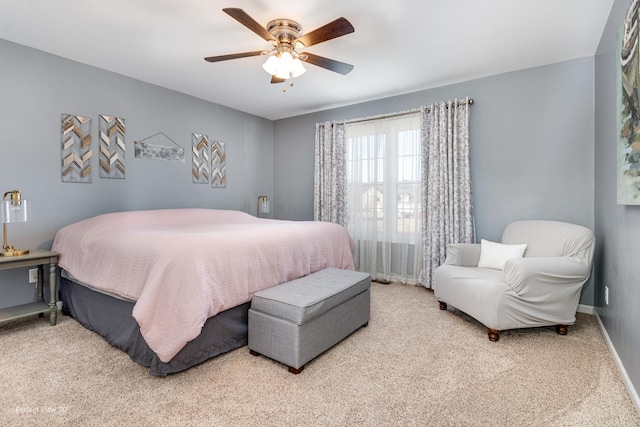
(263, 206)
(14, 209)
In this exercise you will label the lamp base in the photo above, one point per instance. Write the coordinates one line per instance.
(14, 252)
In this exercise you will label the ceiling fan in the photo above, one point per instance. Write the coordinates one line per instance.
(284, 61)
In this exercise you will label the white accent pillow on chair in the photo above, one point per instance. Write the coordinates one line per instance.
(494, 255)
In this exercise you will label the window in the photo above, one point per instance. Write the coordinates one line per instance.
(383, 167)
(384, 177)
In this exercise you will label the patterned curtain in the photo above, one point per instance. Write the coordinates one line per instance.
(330, 194)
(447, 205)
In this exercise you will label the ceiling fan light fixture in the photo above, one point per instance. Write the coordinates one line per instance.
(286, 63)
(284, 66)
(271, 65)
(297, 68)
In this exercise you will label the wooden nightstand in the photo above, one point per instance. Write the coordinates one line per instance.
(34, 258)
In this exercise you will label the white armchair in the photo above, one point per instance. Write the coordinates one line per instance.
(541, 288)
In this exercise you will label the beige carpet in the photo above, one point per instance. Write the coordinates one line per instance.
(413, 365)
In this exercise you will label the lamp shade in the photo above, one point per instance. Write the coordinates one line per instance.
(284, 66)
(264, 207)
(16, 210)
(271, 65)
(297, 68)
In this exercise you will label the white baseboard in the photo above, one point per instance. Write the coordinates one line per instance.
(623, 373)
(588, 309)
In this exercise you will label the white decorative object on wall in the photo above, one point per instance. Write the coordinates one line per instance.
(218, 165)
(112, 147)
(201, 163)
(76, 153)
(155, 147)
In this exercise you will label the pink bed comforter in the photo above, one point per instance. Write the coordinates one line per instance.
(182, 266)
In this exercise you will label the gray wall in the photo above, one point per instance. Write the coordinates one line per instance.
(531, 131)
(535, 140)
(617, 227)
(36, 88)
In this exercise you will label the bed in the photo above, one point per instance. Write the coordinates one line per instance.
(172, 287)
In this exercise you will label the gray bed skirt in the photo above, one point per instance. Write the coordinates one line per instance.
(111, 317)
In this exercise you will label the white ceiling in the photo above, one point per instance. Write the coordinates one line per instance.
(397, 47)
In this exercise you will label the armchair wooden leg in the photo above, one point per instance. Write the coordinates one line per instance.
(443, 305)
(494, 334)
(562, 329)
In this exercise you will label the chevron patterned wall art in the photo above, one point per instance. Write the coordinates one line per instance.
(200, 154)
(218, 165)
(76, 153)
(112, 147)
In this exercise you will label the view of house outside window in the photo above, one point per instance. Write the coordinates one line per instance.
(384, 177)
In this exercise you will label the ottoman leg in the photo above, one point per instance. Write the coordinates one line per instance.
(295, 371)
(253, 353)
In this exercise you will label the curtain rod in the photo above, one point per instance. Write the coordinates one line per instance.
(403, 113)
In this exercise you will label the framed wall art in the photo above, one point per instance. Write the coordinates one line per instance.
(76, 152)
(628, 153)
(158, 147)
(218, 165)
(112, 147)
(200, 159)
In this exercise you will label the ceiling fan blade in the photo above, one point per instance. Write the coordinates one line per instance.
(275, 79)
(329, 64)
(337, 28)
(233, 56)
(242, 17)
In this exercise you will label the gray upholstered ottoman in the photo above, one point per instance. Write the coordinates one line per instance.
(298, 320)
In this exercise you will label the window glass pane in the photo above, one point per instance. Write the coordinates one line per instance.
(383, 177)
